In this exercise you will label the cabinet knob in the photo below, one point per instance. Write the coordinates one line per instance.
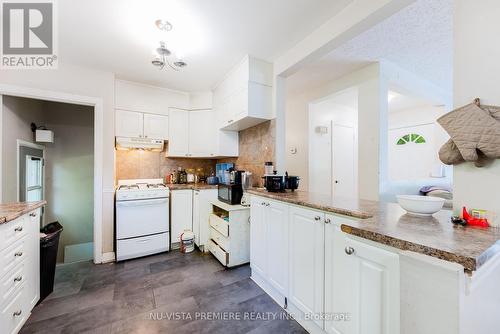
(317, 218)
(18, 229)
(327, 221)
(18, 254)
(263, 203)
(33, 214)
(18, 279)
(349, 250)
(17, 313)
(267, 204)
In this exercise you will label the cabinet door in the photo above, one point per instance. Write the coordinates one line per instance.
(156, 126)
(365, 286)
(238, 105)
(178, 125)
(306, 265)
(32, 289)
(128, 124)
(277, 245)
(196, 217)
(182, 213)
(205, 209)
(201, 134)
(258, 237)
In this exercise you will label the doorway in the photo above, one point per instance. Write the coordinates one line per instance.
(30, 171)
(333, 147)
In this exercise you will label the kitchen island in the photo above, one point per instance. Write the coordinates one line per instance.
(371, 262)
(19, 263)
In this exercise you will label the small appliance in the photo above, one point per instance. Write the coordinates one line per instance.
(230, 193)
(274, 183)
(246, 182)
(291, 182)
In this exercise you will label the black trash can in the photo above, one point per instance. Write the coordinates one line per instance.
(48, 257)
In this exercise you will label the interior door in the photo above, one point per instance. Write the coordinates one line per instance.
(306, 253)
(156, 126)
(178, 143)
(129, 124)
(344, 159)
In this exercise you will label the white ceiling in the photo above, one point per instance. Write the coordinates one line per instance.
(419, 39)
(213, 35)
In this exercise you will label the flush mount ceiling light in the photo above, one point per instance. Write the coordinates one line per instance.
(162, 53)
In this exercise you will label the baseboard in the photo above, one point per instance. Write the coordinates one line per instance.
(108, 257)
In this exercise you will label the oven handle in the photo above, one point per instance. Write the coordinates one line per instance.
(142, 202)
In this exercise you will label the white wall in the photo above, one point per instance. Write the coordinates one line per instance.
(476, 73)
(370, 107)
(18, 114)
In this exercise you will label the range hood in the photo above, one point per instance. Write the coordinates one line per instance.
(125, 143)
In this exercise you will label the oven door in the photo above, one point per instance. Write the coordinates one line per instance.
(141, 217)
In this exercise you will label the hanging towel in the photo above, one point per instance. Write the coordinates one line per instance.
(474, 133)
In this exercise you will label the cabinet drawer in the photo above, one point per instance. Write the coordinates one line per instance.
(218, 252)
(11, 281)
(12, 231)
(221, 240)
(14, 314)
(219, 225)
(142, 246)
(12, 256)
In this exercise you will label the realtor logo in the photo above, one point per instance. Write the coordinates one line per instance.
(28, 34)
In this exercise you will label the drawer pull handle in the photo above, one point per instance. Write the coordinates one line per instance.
(349, 250)
(18, 279)
(327, 221)
(17, 313)
(18, 229)
(33, 214)
(317, 218)
(18, 254)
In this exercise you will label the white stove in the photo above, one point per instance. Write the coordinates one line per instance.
(142, 218)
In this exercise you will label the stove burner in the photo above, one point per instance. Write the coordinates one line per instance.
(129, 187)
(155, 186)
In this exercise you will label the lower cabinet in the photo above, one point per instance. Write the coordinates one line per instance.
(201, 213)
(269, 246)
(331, 282)
(182, 213)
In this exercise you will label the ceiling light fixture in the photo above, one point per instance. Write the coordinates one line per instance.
(161, 54)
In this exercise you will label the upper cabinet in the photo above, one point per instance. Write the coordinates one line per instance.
(140, 125)
(244, 98)
(193, 134)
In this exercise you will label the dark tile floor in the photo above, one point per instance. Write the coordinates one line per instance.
(165, 293)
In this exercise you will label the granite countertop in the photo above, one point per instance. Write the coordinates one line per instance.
(389, 224)
(11, 211)
(194, 186)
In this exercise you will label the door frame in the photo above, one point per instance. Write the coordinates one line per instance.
(97, 104)
(25, 143)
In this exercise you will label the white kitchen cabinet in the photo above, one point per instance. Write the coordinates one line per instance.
(194, 134)
(306, 263)
(258, 237)
(178, 144)
(156, 126)
(182, 213)
(202, 140)
(201, 213)
(362, 285)
(244, 98)
(129, 124)
(134, 124)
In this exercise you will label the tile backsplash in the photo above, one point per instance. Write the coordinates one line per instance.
(256, 146)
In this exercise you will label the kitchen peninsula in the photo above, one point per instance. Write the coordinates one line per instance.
(389, 271)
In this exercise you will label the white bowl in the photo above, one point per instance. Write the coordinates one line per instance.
(420, 205)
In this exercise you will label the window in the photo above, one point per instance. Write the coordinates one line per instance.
(411, 138)
(34, 178)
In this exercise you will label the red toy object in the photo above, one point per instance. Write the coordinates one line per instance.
(474, 221)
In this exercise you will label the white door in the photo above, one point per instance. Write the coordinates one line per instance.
(178, 125)
(306, 265)
(344, 159)
(156, 126)
(129, 124)
(258, 237)
(182, 213)
(204, 211)
(196, 217)
(201, 135)
(364, 286)
(277, 246)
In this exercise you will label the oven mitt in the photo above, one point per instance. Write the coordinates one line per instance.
(472, 128)
(449, 153)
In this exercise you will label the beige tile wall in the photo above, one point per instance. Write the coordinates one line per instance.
(256, 144)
